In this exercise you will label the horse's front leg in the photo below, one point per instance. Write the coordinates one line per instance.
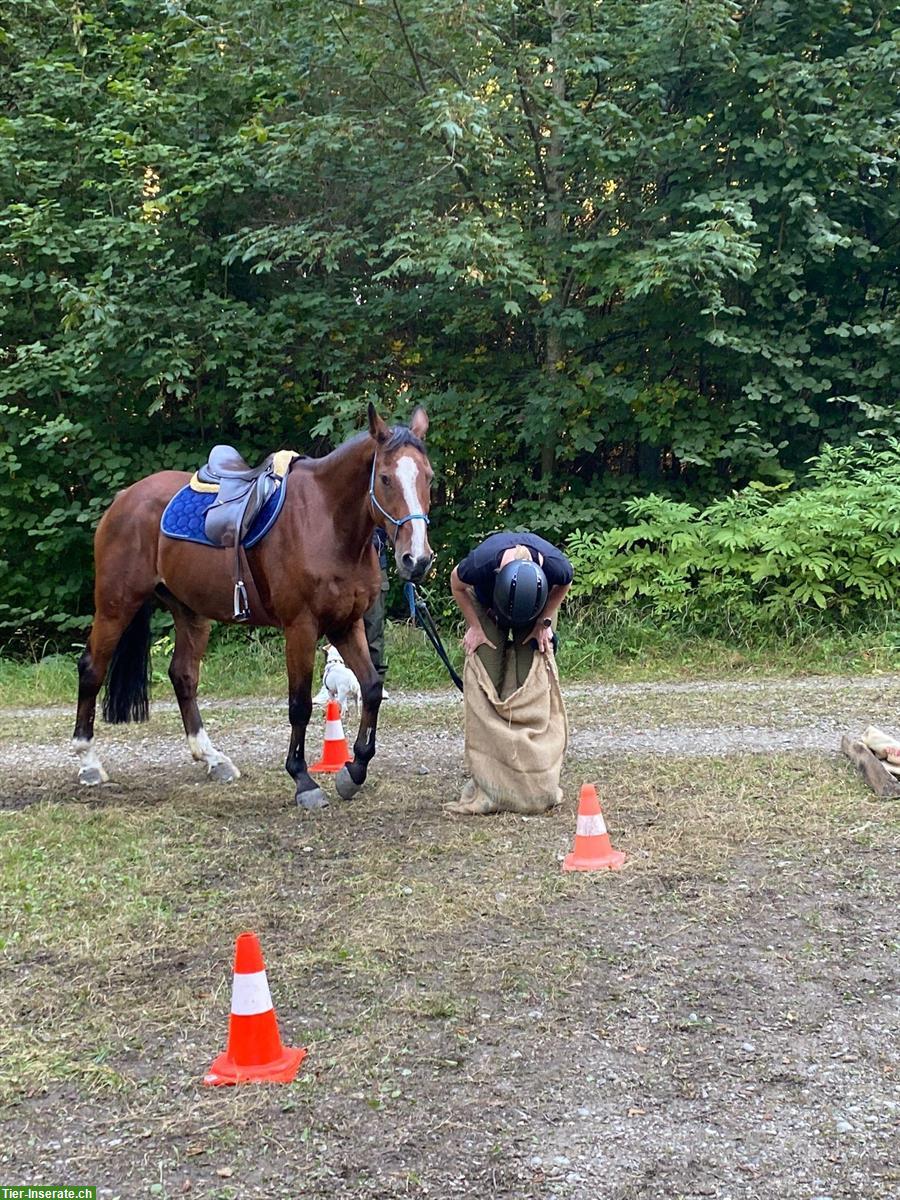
(300, 646)
(355, 651)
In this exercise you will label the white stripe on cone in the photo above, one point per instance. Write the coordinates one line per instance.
(334, 731)
(593, 826)
(250, 994)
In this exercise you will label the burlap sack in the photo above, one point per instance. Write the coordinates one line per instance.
(883, 746)
(515, 745)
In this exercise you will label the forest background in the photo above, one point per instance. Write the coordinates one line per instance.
(638, 260)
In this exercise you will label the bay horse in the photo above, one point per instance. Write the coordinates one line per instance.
(316, 572)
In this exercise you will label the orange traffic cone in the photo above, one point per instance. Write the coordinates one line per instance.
(335, 751)
(254, 1045)
(593, 850)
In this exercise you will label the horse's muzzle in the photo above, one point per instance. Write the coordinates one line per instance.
(413, 569)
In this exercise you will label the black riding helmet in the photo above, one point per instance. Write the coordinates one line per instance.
(520, 592)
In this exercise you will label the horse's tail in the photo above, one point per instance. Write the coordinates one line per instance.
(127, 696)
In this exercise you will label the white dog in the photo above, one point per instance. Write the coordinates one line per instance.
(339, 683)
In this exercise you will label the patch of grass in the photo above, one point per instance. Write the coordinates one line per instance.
(624, 645)
(118, 920)
(693, 817)
(49, 680)
(436, 1007)
(431, 964)
(81, 898)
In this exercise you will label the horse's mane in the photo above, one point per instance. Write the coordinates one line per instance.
(398, 435)
(401, 435)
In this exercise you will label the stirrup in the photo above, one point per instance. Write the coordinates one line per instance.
(241, 603)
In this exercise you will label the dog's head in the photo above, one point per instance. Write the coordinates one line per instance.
(332, 656)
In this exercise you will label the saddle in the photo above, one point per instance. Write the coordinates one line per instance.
(242, 492)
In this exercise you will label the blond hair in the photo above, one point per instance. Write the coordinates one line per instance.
(513, 554)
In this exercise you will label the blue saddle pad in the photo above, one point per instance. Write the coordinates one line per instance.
(185, 516)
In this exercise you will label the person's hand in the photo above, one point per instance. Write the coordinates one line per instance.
(475, 637)
(543, 635)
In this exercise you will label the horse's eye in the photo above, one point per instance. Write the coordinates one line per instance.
(385, 479)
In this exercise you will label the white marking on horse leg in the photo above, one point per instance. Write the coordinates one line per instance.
(218, 765)
(90, 768)
(408, 473)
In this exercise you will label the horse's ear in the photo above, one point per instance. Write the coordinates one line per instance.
(418, 425)
(377, 427)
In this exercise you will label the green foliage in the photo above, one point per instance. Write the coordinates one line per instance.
(616, 248)
(763, 554)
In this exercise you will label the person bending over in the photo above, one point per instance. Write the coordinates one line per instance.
(509, 589)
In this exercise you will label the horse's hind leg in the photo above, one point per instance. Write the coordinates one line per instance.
(191, 637)
(106, 633)
(355, 652)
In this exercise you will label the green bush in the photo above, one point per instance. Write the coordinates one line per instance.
(764, 554)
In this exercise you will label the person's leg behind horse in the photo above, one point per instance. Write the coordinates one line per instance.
(373, 621)
(300, 649)
(355, 651)
(191, 638)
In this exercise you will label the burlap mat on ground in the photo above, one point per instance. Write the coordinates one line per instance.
(883, 746)
(515, 745)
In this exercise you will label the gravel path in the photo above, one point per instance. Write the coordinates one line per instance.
(712, 718)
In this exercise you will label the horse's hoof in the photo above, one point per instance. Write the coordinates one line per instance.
(312, 800)
(91, 776)
(223, 772)
(345, 786)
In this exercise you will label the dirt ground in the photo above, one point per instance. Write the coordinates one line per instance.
(718, 1020)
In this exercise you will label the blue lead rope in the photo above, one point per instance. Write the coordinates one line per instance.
(420, 616)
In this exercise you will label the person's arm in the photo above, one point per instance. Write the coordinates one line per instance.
(543, 634)
(474, 635)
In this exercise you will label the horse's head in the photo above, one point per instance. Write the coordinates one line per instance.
(400, 490)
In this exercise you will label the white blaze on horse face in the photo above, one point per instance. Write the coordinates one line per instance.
(408, 473)
(217, 763)
(90, 768)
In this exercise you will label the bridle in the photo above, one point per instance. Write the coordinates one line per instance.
(384, 513)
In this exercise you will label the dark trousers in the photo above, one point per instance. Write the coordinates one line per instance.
(510, 643)
(373, 621)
